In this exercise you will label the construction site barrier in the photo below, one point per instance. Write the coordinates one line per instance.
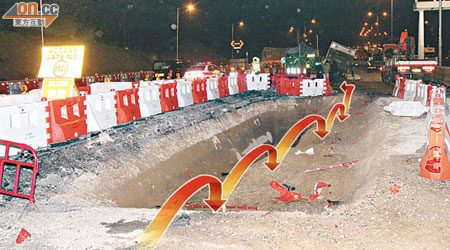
(411, 90)
(257, 81)
(104, 87)
(101, 111)
(184, 93)
(233, 87)
(311, 87)
(275, 81)
(25, 123)
(18, 156)
(435, 164)
(400, 93)
(149, 102)
(168, 97)
(4, 88)
(127, 106)
(199, 91)
(242, 83)
(223, 87)
(424, 94)
(290, 87)
(212, 88)
(66, 119)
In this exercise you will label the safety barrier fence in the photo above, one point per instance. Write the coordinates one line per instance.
(435, 164)
(107, 105)
(18, 157)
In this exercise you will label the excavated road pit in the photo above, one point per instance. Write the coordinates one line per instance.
(161, 167)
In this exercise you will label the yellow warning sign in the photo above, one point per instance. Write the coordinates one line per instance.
(62, 61)
(58, 88)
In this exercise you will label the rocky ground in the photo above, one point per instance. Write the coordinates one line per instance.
(88, 195)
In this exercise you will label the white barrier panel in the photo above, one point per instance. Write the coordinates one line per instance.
(212, 88)
(422, 93)
(184, 93)
(104, 87)
(411, 90)
(406, 108)
(25, 123)
(257, 81)
(101, 111)
(323, 83)
(149, 102)
(11, 100)
(233, 87)
(310, 87)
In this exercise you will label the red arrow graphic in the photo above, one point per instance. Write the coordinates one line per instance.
(289, 138)
(348, 89)
(170, 208)
(333, 112)
(241, 167)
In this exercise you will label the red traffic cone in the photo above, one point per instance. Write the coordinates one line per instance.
(22, 236)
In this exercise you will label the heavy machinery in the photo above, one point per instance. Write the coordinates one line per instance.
(400, 60)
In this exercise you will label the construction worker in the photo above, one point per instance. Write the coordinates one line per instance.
(255, 65)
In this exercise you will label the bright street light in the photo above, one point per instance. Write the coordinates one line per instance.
(370, 13)
(190, 7)
(385, 13)
(313, 21)
(241, 24)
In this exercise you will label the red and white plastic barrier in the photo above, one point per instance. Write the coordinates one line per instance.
(127, 106)
(184, 93)
(258, 81)
(411, 90)
(25, 123)
(67, 119)
(233, 87)
(101, 111)
(109, 104)
(168, 97)
(149, 102)
(212, 88)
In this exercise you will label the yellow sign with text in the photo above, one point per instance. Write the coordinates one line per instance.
(58, 88)
(62, 61)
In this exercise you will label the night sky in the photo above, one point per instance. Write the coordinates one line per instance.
(146, 24)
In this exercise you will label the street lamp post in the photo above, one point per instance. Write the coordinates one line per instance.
(392, 20)
(241, 24)
(178, 29)
(190, 8)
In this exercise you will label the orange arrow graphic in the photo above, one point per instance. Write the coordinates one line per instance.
(170, 208)
(241, 167)
(348, 89)
(333, 112)
(289, 138)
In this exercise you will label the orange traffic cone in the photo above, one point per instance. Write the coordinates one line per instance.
(22, 236)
